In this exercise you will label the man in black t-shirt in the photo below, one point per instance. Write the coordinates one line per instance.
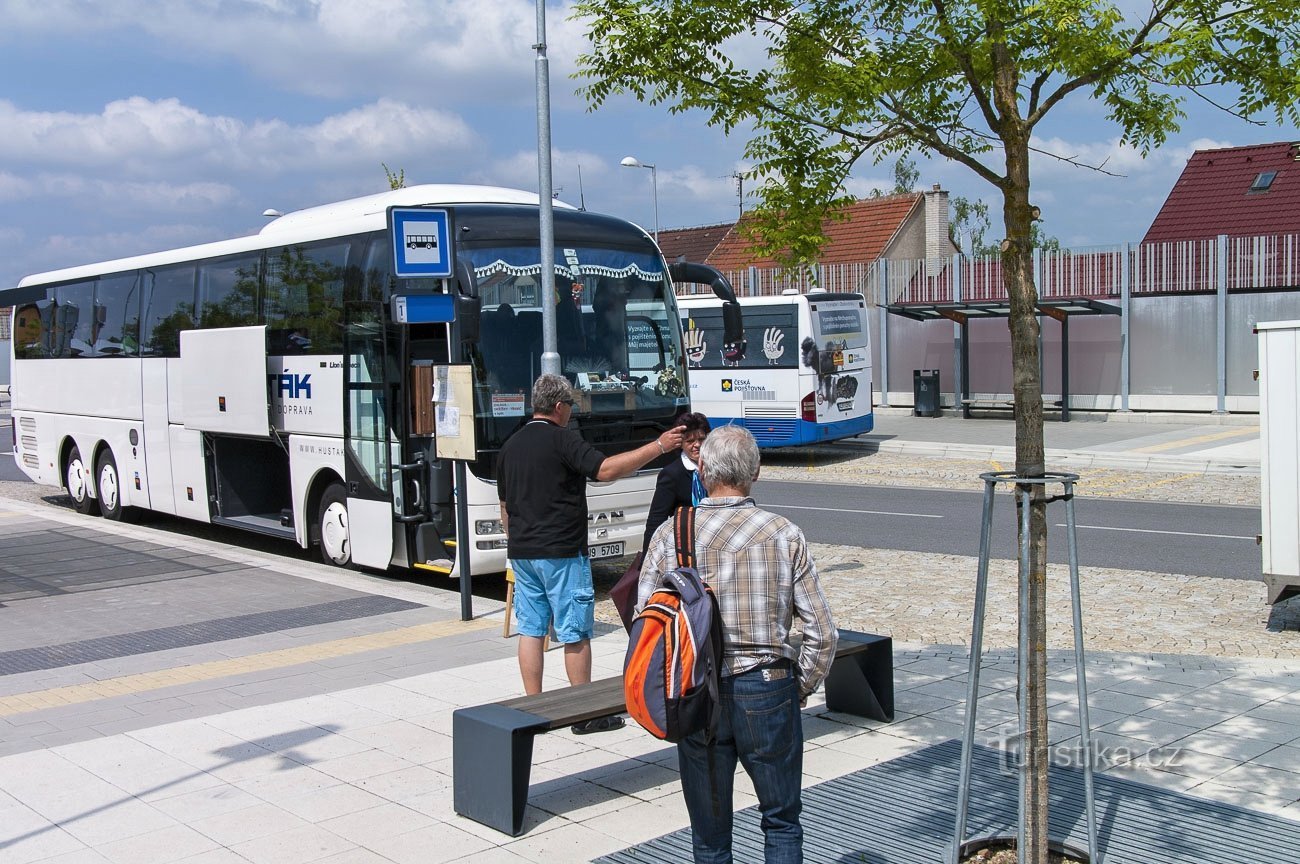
(542, 475)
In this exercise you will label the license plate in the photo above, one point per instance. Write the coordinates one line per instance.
(605, 550)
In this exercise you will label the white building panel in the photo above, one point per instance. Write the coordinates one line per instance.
(1279, 393)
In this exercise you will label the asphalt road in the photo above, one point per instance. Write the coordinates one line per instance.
(1196, 539)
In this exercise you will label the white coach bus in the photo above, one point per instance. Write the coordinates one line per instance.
(801, 375)
(263, 382)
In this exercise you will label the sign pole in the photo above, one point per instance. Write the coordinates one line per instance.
(462, 543)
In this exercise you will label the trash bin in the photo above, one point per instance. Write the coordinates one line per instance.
(925, 392)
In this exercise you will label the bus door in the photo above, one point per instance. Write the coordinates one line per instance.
(426, 481)
(371, 387)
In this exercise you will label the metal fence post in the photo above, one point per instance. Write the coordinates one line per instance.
(1125, 309)
(882, 285)
(1221, 324)
(958, 368)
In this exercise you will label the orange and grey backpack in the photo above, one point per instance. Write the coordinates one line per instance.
(674, 655)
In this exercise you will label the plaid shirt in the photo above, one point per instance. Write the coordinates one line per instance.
(757, 564)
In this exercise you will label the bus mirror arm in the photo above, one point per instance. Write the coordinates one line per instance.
(689, 271)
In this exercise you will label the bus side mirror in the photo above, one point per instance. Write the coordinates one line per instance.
(469, 306)
(469, 312)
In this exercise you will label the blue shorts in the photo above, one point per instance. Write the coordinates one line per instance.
(555, 590)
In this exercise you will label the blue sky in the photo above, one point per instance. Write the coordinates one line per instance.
(133, 126)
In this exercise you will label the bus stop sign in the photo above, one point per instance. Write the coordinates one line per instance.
(421, 242)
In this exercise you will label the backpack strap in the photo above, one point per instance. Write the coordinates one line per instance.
(684, 536)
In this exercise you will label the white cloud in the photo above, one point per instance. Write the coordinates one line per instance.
(446, 52)
(147, 138)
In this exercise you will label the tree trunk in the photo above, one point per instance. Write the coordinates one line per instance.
(1018, 276)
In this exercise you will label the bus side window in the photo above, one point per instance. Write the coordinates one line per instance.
(168, 309)
(304, 297)
(117, 316)
(228, 291)
(73, 320)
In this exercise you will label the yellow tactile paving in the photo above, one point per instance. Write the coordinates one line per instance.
(1198, 439)
(21, 703)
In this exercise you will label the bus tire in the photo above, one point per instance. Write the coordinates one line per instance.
(332, 527)
(78, 480)
(109, 483)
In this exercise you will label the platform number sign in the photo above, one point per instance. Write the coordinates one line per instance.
(421, 242)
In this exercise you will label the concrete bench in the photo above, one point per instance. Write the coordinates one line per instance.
(492, 745)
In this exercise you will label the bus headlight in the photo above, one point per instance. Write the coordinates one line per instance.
(488, 526)
(485, 545)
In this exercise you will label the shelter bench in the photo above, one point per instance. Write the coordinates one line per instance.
(492, 745)
(968, 405)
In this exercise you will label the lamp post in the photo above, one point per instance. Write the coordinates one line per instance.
(633, 162)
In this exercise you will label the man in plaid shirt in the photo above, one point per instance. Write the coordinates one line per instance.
(758, 565)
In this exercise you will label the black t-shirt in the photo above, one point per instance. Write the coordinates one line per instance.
(542, 476)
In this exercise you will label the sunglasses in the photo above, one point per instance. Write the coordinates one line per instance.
(568, 402)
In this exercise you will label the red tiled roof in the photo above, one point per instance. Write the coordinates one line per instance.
(1213, 195)
(695, 244)
(861, 238)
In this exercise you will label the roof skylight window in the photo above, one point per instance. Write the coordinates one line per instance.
(1263, 180)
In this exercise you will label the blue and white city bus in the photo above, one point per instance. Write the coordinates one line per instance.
(266, 382)
(801, 375)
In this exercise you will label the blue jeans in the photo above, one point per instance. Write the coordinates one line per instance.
(761, 726)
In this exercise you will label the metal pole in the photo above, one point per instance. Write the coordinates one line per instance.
(654, 186)
(973, 677)
(1022, 664)
(546, 214)
(958, 339)
(1125, 290)
(1065, 368)
(462, 543)
(882, 310)
(1085, 727)
(1221, 326)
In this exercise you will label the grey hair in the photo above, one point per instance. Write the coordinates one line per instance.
(729, 457)
(549, 389)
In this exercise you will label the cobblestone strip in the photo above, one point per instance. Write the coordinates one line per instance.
(830, 464)
(928, 599)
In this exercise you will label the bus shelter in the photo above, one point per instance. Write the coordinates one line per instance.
(962, 313)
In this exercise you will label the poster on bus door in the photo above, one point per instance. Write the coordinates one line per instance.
(838, 352)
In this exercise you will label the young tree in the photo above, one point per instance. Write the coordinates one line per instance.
(968, 80)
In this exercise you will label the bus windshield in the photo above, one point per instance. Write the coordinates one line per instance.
(616, 334)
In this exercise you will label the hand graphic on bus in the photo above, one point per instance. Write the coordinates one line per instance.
(695, 345)
(772, 347)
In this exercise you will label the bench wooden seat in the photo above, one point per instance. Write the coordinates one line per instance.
(968, 405)
(492, 745)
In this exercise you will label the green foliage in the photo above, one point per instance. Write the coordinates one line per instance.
(906, 176)
(825, 85)
(395, 181)
(970, 223)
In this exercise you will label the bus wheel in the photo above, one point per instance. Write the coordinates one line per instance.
(76, 479)
(335, 541)
(110, 490)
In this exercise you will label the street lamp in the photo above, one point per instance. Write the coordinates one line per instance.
(633, 162)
